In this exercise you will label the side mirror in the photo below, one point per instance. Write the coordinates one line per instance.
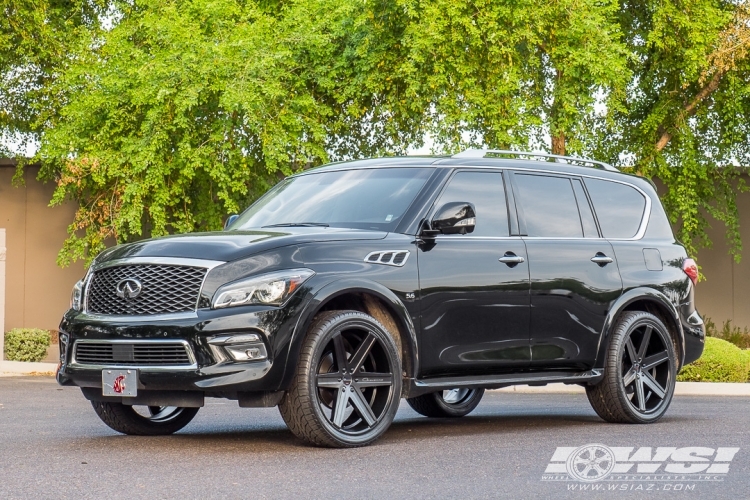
(456, 217)
(230, 220)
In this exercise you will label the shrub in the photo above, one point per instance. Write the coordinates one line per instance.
(733, 334)
(26, 344)
(721, 362)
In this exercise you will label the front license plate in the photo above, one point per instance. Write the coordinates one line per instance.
(121, 383)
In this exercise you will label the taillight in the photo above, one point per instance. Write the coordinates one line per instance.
(691, 269)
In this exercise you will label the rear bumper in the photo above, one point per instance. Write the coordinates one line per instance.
(695, 336)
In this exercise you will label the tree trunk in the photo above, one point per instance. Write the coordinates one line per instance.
(558, 135)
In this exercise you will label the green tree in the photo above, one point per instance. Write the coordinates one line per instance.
(685, 120)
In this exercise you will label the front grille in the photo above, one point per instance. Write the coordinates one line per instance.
(163, 289)
(136, 354)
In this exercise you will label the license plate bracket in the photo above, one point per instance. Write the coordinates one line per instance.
(120, 383)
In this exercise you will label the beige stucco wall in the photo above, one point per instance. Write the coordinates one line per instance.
(37, 290)
(725, 294)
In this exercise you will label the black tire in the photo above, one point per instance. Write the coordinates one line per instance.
(163, 420)
(324, 404)
(640, 371)
(457, 403)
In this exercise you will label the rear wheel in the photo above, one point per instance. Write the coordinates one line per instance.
(450, 403)
(640, 371)
(347, 384)
(144, 421)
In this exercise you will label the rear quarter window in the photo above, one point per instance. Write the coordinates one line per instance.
(618, 207)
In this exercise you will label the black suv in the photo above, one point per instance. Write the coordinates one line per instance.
(352, 285)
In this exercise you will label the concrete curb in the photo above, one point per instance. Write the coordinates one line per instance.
(17, 368)
(682, 389)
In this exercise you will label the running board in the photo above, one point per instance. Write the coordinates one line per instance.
(425, 386)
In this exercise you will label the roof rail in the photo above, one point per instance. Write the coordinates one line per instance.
(481, 153)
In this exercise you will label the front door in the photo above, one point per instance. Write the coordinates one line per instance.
(474, 287)
(574, 276)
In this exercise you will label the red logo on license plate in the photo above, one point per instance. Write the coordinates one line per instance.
(119, 384)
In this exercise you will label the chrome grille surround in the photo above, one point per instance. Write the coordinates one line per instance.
(143, 354)
(170, 288)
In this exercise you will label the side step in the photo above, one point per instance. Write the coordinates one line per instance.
(425, 386)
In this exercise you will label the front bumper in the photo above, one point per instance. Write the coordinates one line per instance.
(211, 369)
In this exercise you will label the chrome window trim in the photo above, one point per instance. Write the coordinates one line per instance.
(644, 218)
(191, 356)
(173, 261)
(499, 168)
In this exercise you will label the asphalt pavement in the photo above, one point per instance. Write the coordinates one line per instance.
(52, 445)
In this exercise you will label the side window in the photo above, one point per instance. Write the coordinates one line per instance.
(487, 192)
(549, 206)
(584, 208)
(618, 207)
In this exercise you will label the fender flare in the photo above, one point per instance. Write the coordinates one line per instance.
(622, 302)
(343, 286)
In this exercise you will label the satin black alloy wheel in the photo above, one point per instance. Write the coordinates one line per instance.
(144, 421)
(347, 386)
(450, 403)
(640, 372)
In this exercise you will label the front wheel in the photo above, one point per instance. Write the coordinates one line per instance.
(640, 371)
(450, 403)
(347, 384)
(149, 421)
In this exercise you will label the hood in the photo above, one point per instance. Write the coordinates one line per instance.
(232, 245)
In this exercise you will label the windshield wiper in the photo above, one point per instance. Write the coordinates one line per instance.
(298, 224)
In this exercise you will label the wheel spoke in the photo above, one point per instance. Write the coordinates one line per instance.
(368, 379)
(654, 360)
(629, 377)
(329, 380)
(631, 350)
(339, 352)
(364, 349)
(339, 408)
(364, 410)
(640, 394)
(653, 385)
(644, 343)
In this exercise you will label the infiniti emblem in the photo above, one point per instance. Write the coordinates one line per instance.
(129, 288)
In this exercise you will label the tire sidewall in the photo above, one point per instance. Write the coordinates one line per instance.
(321, 339)
(459, 409)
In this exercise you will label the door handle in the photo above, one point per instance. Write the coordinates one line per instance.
(511, 259)
(601, 259)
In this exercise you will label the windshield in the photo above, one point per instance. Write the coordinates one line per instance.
(359, 199)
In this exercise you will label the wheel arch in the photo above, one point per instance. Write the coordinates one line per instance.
(365, 296)
(649, 300)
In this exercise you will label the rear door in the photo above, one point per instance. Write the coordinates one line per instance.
(475, 306)
(574, 276)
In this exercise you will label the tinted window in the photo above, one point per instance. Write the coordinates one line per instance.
(584, 209)
(360, 199)
(486, 191)
(549, 206)
(618, 207)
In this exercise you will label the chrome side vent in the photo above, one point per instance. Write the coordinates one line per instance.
(388, 257)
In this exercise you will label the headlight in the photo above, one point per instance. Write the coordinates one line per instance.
(76, 297)
(271, 289)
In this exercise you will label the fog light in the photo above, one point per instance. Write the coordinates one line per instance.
(247, 352)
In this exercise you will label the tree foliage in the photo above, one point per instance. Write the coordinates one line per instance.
(163, 116)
